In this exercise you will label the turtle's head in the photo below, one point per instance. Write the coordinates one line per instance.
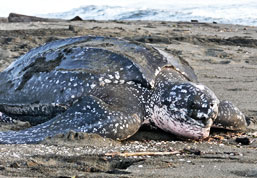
(184, 108)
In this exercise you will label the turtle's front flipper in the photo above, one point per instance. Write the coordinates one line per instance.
(230, 117)
(89, 114)
(5, 118)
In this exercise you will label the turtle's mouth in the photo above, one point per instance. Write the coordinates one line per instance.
(181, 124)
(191, 128)
(185, 127)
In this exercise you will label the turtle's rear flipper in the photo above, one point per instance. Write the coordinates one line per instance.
(89, 114)
(230, 117)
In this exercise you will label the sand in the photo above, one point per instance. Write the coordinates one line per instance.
(224, 59)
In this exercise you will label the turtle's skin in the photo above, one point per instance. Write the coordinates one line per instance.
(110, 87)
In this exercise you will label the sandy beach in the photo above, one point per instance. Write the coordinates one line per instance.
(224, 58)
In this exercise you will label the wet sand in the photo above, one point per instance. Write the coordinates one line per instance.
(224, 58)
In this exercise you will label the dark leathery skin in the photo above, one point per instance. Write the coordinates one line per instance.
(106, 86)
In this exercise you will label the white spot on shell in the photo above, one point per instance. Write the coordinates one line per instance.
(107, 81)
(183, 91)
(93, 85)
(117, 75)
(111, 77)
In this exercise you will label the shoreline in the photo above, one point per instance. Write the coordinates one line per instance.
(223, 57)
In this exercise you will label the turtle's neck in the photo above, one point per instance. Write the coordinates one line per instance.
(166, 77)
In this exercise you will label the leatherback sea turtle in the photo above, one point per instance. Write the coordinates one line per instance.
(110, 87)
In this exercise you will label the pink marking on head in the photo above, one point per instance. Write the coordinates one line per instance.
(174, 126)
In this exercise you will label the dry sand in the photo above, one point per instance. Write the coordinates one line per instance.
(224, 58)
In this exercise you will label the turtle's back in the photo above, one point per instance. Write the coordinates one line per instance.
(148, 59)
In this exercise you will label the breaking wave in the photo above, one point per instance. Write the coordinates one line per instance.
(244, 14)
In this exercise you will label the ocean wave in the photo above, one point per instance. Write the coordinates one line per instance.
(229, 14)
